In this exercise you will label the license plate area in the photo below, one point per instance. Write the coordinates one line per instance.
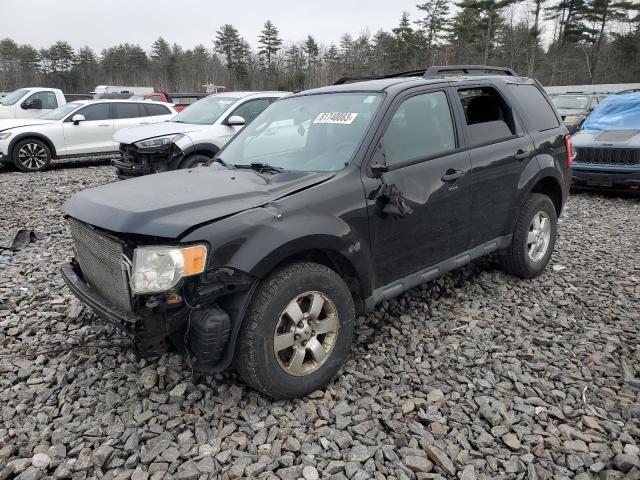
(599, 180)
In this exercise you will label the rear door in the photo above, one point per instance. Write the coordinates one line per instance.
(157, 113)
(93, 134)
(431, 173)
(500, 150)
(129, 114)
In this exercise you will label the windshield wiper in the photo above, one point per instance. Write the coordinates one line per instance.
(221, 162)
(265, 167)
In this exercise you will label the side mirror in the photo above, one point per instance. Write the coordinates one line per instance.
(34, 104)
(77, 118)
(236, 120)
(379, 162)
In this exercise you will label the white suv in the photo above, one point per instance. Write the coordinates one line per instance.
(77, 129)
(193, 137)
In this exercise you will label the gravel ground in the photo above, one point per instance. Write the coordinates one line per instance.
(475, 375)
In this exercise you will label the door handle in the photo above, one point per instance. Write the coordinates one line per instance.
(144, 123)
(452, 175)
(103, 124)
(522, 154)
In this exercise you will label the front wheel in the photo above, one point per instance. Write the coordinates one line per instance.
(297, 331)
(196, 160)
(533, 239)
(31, 155)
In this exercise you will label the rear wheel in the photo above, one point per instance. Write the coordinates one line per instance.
(31, 155)
(297, 331)
(533, 239)
(196, 160)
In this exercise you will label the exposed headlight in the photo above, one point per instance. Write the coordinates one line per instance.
(571, 118)
(159, 142)
(158, 269)
(5, 135)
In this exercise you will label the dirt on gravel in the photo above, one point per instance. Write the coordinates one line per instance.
(476, 375)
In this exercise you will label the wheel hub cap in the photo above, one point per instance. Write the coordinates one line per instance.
(539, 236)
(306, 333)
(32, 155)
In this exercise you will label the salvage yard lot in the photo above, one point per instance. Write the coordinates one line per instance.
(476, 372)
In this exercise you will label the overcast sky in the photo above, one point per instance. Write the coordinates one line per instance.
(103, 23)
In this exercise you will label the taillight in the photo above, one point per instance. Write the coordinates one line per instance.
(571, 154)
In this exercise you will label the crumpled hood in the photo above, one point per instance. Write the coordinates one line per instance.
(169, 203)
(8, 123)
(135, 134)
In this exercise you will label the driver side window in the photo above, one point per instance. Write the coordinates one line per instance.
(421, 127)
(251, 109)
(48, 99)
(99, 111)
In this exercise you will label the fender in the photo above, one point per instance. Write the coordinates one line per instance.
(203, 147)
(39, 136)
(539, 168)
(256, 241)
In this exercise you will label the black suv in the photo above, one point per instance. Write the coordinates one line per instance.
(330, 202)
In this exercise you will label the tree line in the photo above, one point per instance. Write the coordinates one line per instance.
(558, 41)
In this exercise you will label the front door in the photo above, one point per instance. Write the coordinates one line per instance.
(432, 175)
(91, 135)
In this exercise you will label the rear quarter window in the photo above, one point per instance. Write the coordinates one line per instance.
(536, 111)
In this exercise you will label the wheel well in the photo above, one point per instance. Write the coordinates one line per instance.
(44, 140)
(336, 262)
(551, 188)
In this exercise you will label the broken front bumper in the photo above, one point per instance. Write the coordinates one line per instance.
(136, 162)
(102, 308)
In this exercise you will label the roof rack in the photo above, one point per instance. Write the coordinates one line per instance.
(362, 78)
(431, 72)
(438, 71)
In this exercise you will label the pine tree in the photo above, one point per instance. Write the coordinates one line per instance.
(270, 44)
(434, 23)
(405, 43)
(227, 44)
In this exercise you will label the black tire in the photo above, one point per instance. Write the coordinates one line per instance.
(31, 155)
(195, 160)
(516, 259)
(255, 358)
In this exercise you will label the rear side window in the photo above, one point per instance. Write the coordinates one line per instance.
(489, 118)
(127, 110)
(153, 110)
(98, 111)
(536, 110)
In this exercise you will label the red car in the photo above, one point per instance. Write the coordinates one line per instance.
(180, 100)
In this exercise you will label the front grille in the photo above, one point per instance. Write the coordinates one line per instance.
(101, 262)
(608, 156)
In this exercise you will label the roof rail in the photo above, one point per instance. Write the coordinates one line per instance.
(437, 71)
(362, 78)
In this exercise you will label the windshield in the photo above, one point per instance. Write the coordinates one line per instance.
(205, 111)
(571, 102)
(60, 112)
(309, 133)
(616, 112)
(13, 97)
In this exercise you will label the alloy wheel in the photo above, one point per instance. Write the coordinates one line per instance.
(539, 236)
(33, 156)
(306, 333)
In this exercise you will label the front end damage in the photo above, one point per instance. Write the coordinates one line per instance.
(135, 161)
(200, 315)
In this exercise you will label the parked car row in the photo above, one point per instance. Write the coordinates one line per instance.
(329, 202)
(81, 128)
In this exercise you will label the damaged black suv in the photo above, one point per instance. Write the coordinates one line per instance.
(330, 202)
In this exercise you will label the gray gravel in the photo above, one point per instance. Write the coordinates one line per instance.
(475, 375)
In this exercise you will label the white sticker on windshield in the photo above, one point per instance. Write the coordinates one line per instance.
(336, 117)
(370, 99)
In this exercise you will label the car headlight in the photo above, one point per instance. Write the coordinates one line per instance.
(159, 142)
(4, 135)
(571, 118)
(158, 269)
